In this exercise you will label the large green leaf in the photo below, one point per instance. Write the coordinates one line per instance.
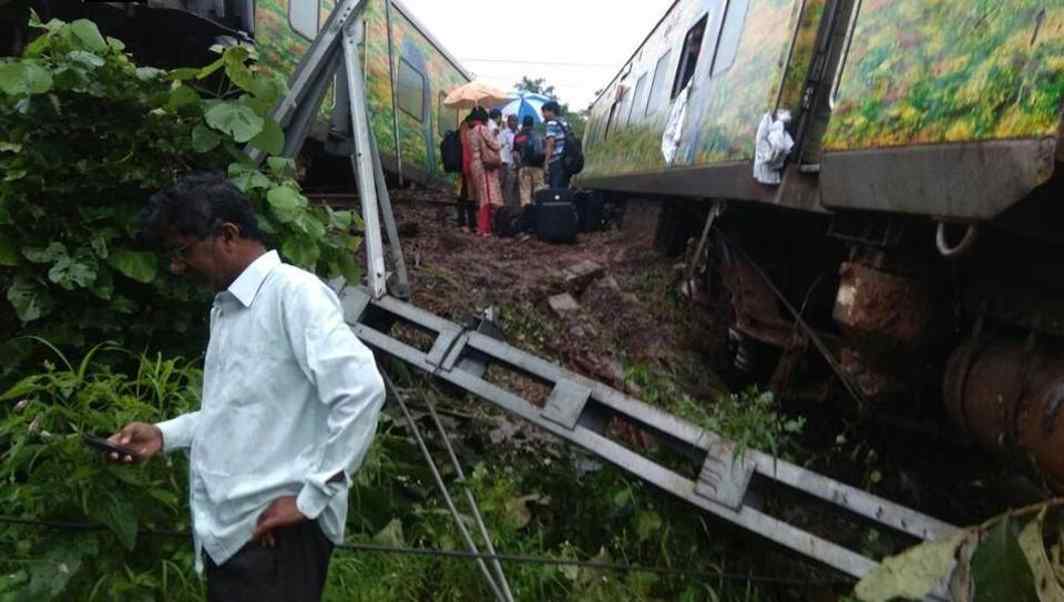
(182, 96)
(287, 204)
(88, 35)
(236, 69)
(911, 575)
(238, 121)
(1033, 545)
(311, 225)
(139, 266)
(204, 139)
(271, 139)
(38, 78)
(119, 515)
(281, 166)
(1000, 571)
(301, 251)
(350, 268)
(50, 254)
(30, 300)
(86, 59)
(71, 273)
(247, 177)
(23, 78)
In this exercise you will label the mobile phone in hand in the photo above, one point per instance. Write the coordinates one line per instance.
(105, 446)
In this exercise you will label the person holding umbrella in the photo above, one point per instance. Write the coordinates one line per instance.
(484, 169)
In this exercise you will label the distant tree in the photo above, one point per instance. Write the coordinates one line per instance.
(536, 86)
(577, 120)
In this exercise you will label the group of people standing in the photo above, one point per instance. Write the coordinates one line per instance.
(503, 165)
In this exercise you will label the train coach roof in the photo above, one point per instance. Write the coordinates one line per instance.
(620, 71)
(418, 25)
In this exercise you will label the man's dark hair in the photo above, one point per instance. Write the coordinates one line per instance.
(552, 106)
(197, 205)
(495, 114)
(528, 122)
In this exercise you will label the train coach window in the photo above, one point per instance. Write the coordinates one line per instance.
(304, 17)
(658, 91)
(448, 118)
(730, 36)
(692, 47)
(411, 90)
(638, 97)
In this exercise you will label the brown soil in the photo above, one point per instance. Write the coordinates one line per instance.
(629, 314)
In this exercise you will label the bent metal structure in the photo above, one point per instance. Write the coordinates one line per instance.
(916, 224)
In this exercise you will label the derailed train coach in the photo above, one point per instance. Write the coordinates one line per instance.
(408, 72)
(907, 240)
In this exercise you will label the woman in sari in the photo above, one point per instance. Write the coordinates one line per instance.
(484, 170)
(467, 199)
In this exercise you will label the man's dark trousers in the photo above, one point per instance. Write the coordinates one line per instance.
(294, 570)
(558, 177)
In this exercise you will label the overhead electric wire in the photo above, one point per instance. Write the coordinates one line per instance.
(545, 63)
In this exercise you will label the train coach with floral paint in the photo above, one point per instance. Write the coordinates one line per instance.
(892, 168)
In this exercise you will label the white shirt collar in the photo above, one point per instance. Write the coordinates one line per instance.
(247, 285)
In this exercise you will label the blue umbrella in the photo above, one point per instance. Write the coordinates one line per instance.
(526, 104)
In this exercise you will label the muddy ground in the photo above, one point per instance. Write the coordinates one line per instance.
(629, 318)
(627, 310)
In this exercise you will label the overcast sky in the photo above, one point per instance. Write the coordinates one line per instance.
(577, 45)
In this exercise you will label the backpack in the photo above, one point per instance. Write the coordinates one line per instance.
(573, 153)
(533, 153)
(451, 152)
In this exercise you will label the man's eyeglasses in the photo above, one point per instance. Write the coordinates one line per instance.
(178, 253)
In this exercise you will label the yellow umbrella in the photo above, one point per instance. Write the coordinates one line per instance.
(475, 94)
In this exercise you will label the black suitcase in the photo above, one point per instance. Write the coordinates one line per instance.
(556, 219)
(591, 210)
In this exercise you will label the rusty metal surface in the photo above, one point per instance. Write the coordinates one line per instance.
(974, 181)
(757, 312)
(887, 322)
(1009, 395)
(892, 309)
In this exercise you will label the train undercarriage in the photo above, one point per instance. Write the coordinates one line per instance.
(952, 324)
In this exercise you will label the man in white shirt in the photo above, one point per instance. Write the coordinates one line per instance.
(289, 407)
(506, 152)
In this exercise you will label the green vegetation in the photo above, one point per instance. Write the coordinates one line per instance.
(49, 474)
(86, 137)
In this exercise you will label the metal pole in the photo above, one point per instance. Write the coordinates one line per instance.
(443, 488)
(393, 79)
(402, 288)
(470, 499)
(714, 213)
(362, 161)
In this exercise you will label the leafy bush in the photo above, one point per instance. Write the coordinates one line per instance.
(49, 474)
(85, 137)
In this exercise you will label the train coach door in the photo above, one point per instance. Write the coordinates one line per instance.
(697, 53)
